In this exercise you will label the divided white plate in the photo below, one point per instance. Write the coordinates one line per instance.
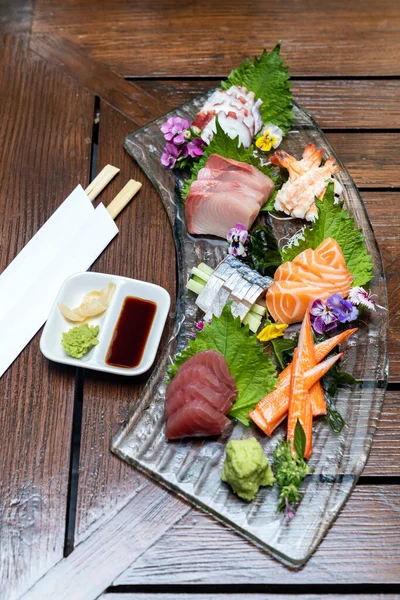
(71, 294)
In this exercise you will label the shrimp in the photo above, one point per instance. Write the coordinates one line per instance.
(307, 180)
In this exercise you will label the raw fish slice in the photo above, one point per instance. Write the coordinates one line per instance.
(220, 163)
(196, 373)
(217, 187)
(193, 392)
(206, 174)
(287, 301)
(332, 253)
(313, 262)
(216, 214)
(217, 365)
(196, 419)
(292, 272)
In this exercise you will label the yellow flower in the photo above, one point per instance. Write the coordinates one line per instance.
(264, 143)
(271, 137)
(272, 331)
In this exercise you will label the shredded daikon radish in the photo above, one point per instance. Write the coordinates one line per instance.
(93, 304)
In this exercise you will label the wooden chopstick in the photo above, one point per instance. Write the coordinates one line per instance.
(124, 197)
(99, 183)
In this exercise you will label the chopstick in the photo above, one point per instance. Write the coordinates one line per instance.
(99, 183)
(123, 197)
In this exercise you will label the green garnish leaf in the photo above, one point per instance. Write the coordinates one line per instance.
(289, 470)
(283, 350)
(299, 439)
(263, 253)
(268, 78)
(337, 223)
(252, 369)
(223, 145)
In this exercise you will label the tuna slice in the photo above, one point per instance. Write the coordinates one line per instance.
(228, 192)
(199, 397)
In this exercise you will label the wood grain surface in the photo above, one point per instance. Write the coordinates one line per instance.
(246, 596)
(143, 249)
(202, 39)
(45, 134)
(345, 61)
(362, 547)
(354, 104)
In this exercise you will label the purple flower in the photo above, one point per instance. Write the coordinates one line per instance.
(199, 325)
(237, 238)
(343, 309)
(170, 155)
(195, 147)
(289, 510)
(322, 317)
(174, 130)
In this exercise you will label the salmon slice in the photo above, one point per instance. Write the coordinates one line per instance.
(216, 214)
(312, 274)
(332, 253)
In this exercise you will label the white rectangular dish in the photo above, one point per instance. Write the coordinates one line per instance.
(71, 294)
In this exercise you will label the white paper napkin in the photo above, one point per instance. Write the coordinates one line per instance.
(70, 241)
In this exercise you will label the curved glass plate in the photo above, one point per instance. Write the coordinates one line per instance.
(192, 467)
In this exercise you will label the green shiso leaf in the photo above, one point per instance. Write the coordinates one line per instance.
(223, 145)
(283, 350)
(268, 78)
(333, 221)
(299, 439)
(263, 253)
(252, 369)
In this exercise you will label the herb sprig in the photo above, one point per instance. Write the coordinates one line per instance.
(290, 471)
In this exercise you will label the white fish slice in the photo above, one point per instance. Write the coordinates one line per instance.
(70, 241)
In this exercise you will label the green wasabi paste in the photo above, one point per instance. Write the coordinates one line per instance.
(246, 468)
(80, 339)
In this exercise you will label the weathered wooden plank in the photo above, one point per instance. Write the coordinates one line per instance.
(246, 596)
(143, 249)
(362, 547)
(125, 96)
(333, 104)
(208, 39)
(15, 16)
(45, 135)
(97, 561)
(384, 213)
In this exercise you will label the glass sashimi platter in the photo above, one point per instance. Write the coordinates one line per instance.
(192, 467)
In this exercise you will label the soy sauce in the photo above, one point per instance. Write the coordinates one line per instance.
(131, 333)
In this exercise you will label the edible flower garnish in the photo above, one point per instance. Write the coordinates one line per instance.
(175, 130)
(200, 324)
(182, 143)
(324, 316)
(271, 137)
(170, 155)
(360, 297)
(271, 331)
(237, 238)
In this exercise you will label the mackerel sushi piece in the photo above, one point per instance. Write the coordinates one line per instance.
(199, 396)
(232, 281)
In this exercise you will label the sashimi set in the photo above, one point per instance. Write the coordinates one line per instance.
(280, 290)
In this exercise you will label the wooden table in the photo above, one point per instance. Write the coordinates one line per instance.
(75, 78)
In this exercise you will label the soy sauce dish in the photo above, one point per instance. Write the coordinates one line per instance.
(130, 329)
